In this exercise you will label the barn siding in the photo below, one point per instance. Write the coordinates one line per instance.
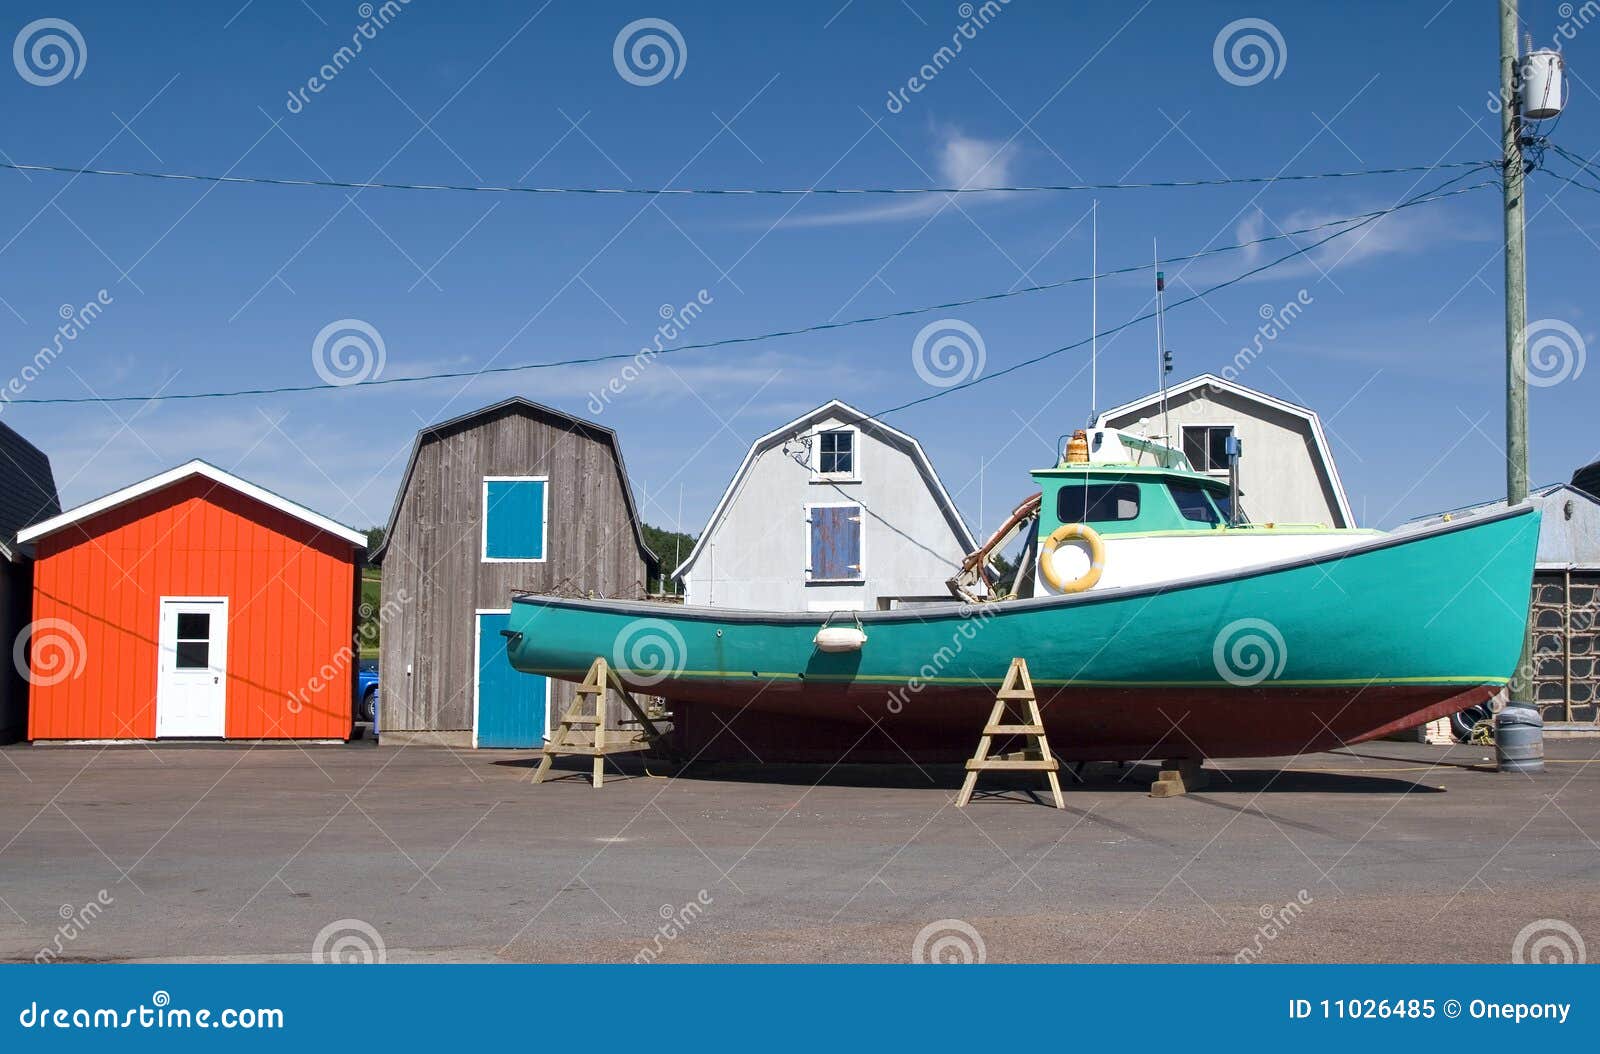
(434, 578)
(290, 613)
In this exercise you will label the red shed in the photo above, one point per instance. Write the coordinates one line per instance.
(193, 605)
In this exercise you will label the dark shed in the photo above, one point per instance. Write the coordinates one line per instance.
(512, 496)
(27, 495)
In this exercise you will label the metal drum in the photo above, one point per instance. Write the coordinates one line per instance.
(1519, 739)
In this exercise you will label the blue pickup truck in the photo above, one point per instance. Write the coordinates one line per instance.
(366, 689)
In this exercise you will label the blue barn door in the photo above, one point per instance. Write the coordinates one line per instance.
(509, 710)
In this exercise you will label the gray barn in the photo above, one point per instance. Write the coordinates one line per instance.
(513, 496)
(27, 495)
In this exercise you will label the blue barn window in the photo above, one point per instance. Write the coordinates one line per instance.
(835, 543)
(514, 517)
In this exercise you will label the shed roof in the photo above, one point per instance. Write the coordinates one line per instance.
(844, 411)
(1211, 380)
(27, 488)
(516, 402)
(1569, 531)
(1587, 478)
(209, 471)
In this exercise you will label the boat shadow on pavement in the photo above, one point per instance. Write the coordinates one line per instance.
(1334, 773)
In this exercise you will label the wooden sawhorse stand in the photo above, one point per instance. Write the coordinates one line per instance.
(597, 738)
(1018, 688)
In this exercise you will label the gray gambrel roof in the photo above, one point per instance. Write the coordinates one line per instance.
(27, 488)
(867, 423)
(1569, 533)
(485, 413)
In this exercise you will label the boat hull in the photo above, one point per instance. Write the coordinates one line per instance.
(1283, 658)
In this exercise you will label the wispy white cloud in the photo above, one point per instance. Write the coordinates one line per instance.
(961, 160)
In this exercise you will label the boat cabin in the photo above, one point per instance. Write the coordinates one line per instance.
(1121, 509)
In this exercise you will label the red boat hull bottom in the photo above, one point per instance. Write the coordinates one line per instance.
(785, 723)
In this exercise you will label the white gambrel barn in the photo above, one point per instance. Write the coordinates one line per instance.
(1286, 469)
(833, 511)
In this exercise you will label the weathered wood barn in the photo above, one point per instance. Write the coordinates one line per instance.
(512, 496)
(27, 495)
(1286, 471)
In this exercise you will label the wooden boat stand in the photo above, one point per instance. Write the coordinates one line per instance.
(598, 738)
(1017, 688)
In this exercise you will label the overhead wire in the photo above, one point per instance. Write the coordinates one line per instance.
(1221, 181)
(1348, 222)
(1433, 194)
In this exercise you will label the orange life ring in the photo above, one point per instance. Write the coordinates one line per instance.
(1097, 557)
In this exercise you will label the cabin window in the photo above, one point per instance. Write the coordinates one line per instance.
(1098, 503)
(1206, 446)
(835, 537)
(1194, 504)
(514, 509)
(836, 453)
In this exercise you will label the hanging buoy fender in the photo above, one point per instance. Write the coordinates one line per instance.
(1071, 532)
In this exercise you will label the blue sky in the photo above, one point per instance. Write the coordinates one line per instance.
(212, 287)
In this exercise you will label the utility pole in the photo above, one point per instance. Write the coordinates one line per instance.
(1519, 713)
(1516, 260)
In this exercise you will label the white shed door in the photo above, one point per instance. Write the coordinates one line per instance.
(191, 685)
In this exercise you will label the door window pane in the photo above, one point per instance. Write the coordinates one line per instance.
(194, 625)
(193, 654)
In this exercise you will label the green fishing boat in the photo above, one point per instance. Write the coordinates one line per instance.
(1160, 624)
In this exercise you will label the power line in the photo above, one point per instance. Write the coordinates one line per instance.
(73, 170)
(1432, 195)
(1359, 219)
